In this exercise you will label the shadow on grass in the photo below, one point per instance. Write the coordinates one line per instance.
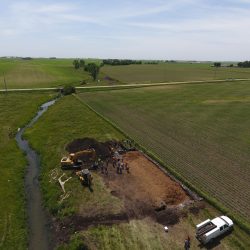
(91, 189)
(216, 242)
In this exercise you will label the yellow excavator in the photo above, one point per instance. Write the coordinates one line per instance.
(73, 160)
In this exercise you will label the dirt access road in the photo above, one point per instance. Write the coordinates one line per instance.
(125, 85)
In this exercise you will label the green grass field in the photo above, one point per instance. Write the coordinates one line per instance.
(59, 72)
(40, 73)
(69, 119)
(146, 234)
(198, 131)
(16, 110)
(168, 72)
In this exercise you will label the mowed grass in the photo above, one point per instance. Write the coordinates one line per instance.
(201, 132)
(16, 110)
(172, 72)
(67, 120)
(40, 73)
(147, 234)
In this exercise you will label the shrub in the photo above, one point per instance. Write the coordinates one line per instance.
(68, 90)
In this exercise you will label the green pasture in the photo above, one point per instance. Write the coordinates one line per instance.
(40, 73)
(16, 110)
(200, 132)
(67, 120)
(172, 72)
(36, 73)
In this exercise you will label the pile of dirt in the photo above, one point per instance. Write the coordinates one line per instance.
(168, 217)
(102, 148)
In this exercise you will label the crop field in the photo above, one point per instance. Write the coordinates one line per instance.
(167, 72)
(199, 131)
(59, 72)
(40, 73)
(16, 110)
(70, 119)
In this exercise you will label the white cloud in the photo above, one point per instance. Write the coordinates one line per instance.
(27, 7)
(135, 29)
(200, 25)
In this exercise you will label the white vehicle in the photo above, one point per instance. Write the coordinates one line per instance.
(210, 229)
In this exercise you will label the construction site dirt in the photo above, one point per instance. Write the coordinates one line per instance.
(146, 191)
(102, 148)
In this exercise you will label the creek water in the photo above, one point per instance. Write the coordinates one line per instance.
(38, 221)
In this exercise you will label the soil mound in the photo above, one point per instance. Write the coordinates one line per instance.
(102, 149)
(168, 217)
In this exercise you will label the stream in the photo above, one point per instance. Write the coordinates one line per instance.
(38, 221)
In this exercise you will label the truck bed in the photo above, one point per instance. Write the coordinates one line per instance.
(206, 228)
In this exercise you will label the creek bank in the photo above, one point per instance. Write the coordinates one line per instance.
(38, 221)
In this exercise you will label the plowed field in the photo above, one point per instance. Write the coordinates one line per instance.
(202, 132)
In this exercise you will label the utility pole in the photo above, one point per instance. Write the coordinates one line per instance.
(5, 84)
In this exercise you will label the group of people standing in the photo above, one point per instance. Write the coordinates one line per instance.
(120, 165)
(117, 162)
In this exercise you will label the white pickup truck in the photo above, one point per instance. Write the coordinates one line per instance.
(210, 229)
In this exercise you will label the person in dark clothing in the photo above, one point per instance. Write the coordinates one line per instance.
(106, 168)
(101, 166)
(127, 167)
(118, 166)
(114, 162)
(187, 243)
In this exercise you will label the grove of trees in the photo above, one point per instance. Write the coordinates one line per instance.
(92, 68)
(76, 64)
(217, 64)
(245, 64)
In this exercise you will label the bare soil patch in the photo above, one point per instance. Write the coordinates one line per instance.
(145, 190)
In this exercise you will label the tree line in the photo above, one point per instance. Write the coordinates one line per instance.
(120, 62)
(245, 64)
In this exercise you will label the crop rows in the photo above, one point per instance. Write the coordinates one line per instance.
(207, 145)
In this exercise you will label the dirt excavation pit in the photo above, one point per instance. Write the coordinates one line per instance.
(146, 190)
(102, 149)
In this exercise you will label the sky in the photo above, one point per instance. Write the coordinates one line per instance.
(134, 29)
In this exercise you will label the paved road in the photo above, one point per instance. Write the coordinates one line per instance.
(128, 85)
